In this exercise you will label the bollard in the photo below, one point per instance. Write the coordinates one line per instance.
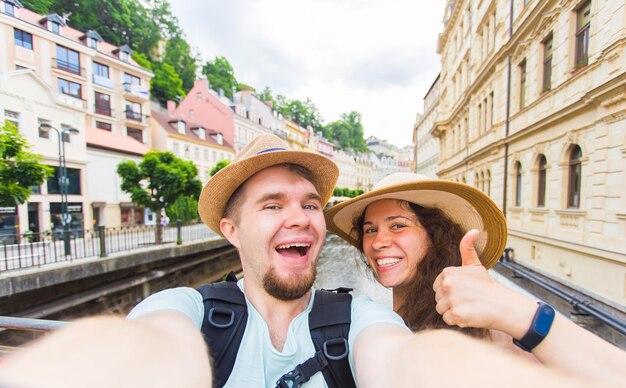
(103, 249)
(66, 241)
(179, 234)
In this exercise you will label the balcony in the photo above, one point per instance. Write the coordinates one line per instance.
(102, 81)
(104, 110)
(135, 92)
(136, 117)
(72, 68)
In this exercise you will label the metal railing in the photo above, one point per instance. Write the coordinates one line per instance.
(36, 249)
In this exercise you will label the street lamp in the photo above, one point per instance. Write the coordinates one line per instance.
(63, 180)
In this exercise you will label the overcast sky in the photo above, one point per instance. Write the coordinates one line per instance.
(373, 56)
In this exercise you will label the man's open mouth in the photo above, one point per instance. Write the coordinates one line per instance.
(293, 249)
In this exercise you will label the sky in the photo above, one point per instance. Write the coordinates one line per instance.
(373, 56)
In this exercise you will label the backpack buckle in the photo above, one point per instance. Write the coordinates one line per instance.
(216, 311)
(335, 342)
(295, 376)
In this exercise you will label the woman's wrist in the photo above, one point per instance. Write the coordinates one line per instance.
(516, 314)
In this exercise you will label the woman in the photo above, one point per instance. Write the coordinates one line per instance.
(432, 241)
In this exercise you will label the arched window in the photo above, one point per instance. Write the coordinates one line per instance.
(476, 181)
(482, 181)
(541, 182)
(574, 177)
(518, 184)
(488, 182)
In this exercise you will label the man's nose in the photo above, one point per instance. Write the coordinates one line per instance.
(297, 217)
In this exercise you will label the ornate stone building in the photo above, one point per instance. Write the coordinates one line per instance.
(533, 112)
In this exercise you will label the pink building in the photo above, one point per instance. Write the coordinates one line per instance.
(204, 107)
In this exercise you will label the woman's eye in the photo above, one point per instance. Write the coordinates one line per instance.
(369, 230)
(397, 226)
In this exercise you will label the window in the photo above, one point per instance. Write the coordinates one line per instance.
(9, 8)
(541, 182)
(68, 60)
(23, 39)
(574, 178)
(103, 104)
(186, 146)
(64, 134)
(92, 43)
(54, 27)
(547, 64)
(491, 110)
(522, 84)
(72, 181)
(583, 21)
(175, 149)
(518, 184)
(130, 79)
(488, 182)
(124, 56)
(133, 111)
(136, 134)
(101, 70)
(103, 125)
(480, 118)
(13, 117)
(70, 88)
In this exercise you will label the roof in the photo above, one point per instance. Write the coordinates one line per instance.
(169, 124)
(101, 138)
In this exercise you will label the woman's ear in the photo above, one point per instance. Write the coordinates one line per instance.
(229, 230)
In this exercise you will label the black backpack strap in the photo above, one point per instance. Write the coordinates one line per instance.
(223, 325)
(329, 324)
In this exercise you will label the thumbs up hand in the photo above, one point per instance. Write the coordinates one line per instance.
(467, 296)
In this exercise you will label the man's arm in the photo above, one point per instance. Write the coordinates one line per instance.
(387, 356)
(160, 349)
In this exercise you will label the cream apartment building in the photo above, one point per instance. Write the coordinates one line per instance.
(426, 146)
(86, 75)
(533, 112)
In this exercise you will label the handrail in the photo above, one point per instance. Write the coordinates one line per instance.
(30, 324)
(583, 305)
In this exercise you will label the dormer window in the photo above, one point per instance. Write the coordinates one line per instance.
(54, 27)
(219, 139)
(202, 133)
(53, 22)
(181, 127)
(9, 9)
(91, 39)
(91, 42)
(123, 52)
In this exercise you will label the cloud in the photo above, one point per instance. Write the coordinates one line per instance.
(377, 57)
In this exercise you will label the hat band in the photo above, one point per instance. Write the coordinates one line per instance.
(271, 150)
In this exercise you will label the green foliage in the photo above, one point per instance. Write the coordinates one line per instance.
(166, 84)
(40, 6)
(305, 113)
(220, 74)
(266, 95)
(159, 179)
(347, 132)
(19, 169)
(346, 192)
(178, 55)
(184, 209)
(220, 165)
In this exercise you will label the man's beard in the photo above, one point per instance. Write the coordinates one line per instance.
(292, 288)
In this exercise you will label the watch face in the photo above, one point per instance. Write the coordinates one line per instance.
(546, 316)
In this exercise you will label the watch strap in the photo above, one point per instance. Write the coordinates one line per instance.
(539, 328)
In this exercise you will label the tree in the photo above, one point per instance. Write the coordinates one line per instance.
(158, 180)
(19, 169)
(220, 74)
(220, 165)
(40, 6)
(178, 55)
(347, 132)
(166, 84)
(305, 113)
(184, 209)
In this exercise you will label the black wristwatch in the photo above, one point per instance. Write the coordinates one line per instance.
(539, 328)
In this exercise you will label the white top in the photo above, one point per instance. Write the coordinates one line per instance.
(258, 363)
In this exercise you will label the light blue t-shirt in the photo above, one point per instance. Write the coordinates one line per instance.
(258, 363)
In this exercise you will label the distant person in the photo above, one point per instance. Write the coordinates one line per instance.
(432, 241)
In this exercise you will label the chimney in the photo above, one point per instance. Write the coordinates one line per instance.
(171, 107)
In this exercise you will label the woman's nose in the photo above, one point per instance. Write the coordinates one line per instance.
(381, 240)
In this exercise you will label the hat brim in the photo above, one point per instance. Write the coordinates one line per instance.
(218, 190)
(465, 205)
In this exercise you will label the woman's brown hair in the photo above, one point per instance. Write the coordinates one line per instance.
(418, 310)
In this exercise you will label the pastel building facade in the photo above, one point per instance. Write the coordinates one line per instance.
(533, 112)
(426, 145)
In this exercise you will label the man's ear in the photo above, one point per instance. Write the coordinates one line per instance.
(229, 230)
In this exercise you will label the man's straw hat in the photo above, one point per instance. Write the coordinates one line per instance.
(463, 204)
(264, 151)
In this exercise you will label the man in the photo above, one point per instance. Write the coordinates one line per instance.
(268, 204)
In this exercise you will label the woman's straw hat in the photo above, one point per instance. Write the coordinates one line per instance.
(264, 151)
(463, 204)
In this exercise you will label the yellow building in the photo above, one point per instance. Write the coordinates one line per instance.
(533, 112)
(296, 135)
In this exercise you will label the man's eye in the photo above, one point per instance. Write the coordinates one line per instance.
(272, 207)
(311, 207)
